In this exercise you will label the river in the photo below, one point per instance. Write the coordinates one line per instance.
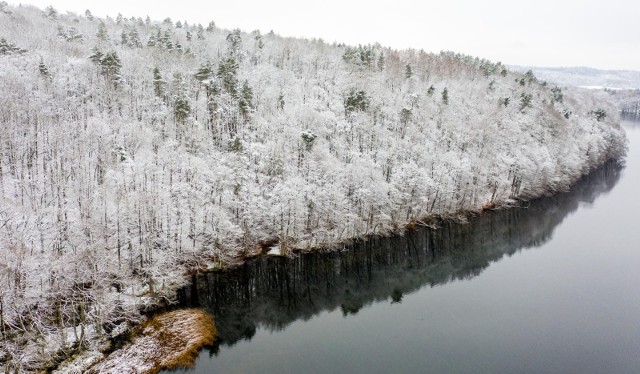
(550, 287)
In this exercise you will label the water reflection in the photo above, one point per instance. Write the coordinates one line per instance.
(272, 292)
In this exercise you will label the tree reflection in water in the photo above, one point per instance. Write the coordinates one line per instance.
(272, 292)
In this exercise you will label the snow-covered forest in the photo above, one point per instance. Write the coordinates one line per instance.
(134, 152)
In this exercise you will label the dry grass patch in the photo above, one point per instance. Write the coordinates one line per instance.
(166, 341)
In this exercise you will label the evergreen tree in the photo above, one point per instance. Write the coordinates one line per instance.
(381, 62)
(134, 38)
(7, 48)
(599, 114)
(51, 12)
(96, 56)
(227, 72)
(281, 101)
(258, 39)
(152, 41)
(356, 101)
(234, 43)
(525, 101)
(205, 72)
(102, 31)
(87, 13)
(408, 72)
(43, 69)
(245, 104)
(158, 83)
(200, 32)
(212, 90)
(181, 109)
(166, 40)
(556, 95)
(445, 96)
(405, 115)
(110, 68)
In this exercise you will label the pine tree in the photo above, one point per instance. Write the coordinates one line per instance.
(525, 101)
(102, 31)
(200, 32)
(381, 62)
(110, 68)
(51, 12)
(227, 72)
(234, 43)
(181, 109)
(445, 96)
(152, 41)
(96, 56)
(356, 100)
(205, 72)
(134, 39)
(158, 83)
(43, 69)
(245, 104)
(405, 115)
(7, 48)
(166, 40)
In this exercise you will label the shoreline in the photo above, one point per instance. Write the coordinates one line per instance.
(168, 340)
(433, 221)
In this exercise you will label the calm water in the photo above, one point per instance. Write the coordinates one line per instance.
(546, 289)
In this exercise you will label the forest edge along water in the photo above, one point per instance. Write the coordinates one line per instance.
(368, 291)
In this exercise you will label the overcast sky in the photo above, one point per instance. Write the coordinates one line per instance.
(598, 33)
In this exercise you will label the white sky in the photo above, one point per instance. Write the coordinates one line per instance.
(597, 33)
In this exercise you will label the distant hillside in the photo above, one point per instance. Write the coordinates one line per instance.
(586, 77)
(135, 152)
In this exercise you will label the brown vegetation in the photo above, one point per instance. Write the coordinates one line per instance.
(168, 340)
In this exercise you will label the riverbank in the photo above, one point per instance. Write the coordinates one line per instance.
(136, 355)
(167, 340)
(533, 281)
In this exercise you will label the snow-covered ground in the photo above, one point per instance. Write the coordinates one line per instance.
(134, 152)
(168, 340)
